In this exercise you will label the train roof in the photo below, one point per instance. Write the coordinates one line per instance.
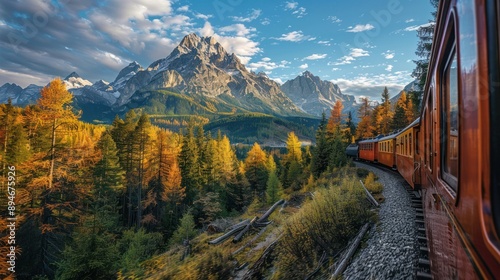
(413, 124)
(371, 140)
(388, 137)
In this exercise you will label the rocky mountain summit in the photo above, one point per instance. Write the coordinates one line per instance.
(314, 95)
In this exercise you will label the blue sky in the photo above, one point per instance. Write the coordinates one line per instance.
(361, 45)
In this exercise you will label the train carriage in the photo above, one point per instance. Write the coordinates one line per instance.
(352, 151)
(386, 149)
(368, 149)
(407, 152)
(460, 138)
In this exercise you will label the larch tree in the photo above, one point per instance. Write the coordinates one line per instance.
(55, 103)
(384, 114)
(365, 128)
(256, 170)
(292, 162)
(293, 147)
(335, 119)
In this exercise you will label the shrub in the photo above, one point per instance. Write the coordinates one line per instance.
(373, 186)
(325, 224)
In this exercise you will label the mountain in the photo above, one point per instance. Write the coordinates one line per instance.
(18, 95)
(413, 86)
(198, 77)
(313, 95)
(200, 68)
(73, 81)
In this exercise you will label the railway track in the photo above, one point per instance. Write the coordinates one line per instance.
(380, 246)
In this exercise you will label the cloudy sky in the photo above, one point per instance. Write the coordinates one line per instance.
(362, 45)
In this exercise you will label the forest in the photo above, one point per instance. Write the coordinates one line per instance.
(97, 201)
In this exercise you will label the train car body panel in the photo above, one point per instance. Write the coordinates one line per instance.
(386, 155)
(368, 150)
(458, 193)
(406, 154)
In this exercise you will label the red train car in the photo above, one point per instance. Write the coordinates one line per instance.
(460, 141)
(386, 149)
(368, 150)
(406, 154)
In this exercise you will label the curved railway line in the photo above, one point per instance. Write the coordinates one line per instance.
(396, 247)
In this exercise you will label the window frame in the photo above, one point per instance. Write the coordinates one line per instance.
(451, 55)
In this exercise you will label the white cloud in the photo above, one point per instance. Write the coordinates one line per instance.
(357, 52)
(389, 68)
(291, 5)
(239, 29)
(183, 8)
(360, 28)
(267, 65)
(388, 54)
(304, 66)
(326, 43)
(110, 60)
(348, 59)
(416, 27)
(278, 80)
(315, 56)
(207, 30)
(202, 16)
(23, 79)
(239, 44)
(252, 16)
(335, 69)
(294, 36)
(265, 21)
(409, 20)
(373, 85)
(139, 26)
(334, 19)
(299, 12)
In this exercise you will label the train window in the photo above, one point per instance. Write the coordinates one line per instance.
(406, 144)
(449, 117)
(409, 143)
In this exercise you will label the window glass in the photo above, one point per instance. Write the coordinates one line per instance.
(410, 146)
(450, 123)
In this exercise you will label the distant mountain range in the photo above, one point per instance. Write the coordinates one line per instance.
(198, 78)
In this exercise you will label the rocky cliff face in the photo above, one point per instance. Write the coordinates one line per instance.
(314, 95)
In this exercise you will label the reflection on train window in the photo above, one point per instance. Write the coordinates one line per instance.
(449, 147)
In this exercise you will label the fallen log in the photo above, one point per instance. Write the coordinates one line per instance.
(228, 234)
(369, 195)
(257, 224)
(270, 211)
(244, 222)
(249, 242)
(350, 252)
(240, 235)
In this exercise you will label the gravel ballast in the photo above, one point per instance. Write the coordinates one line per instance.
(390, 251)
